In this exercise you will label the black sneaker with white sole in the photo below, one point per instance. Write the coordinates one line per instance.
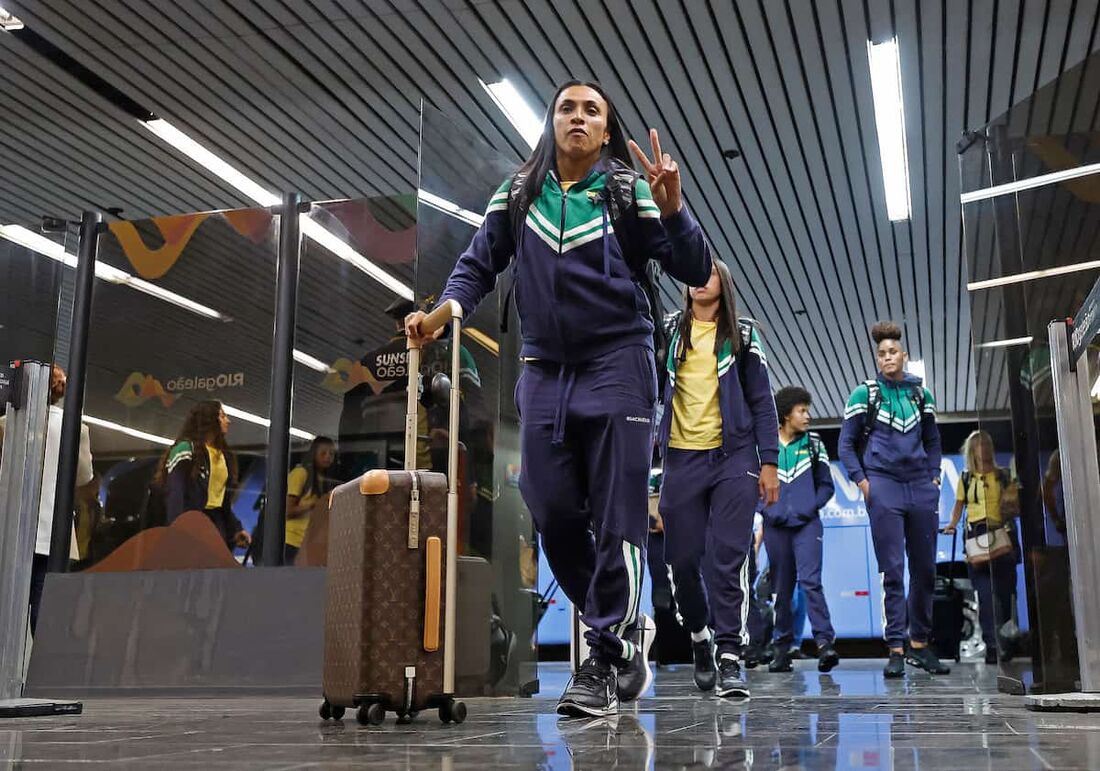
(827, 658)
(636, 677)
(730, 680)
(705, 672)
(926, 659)
(592, 691)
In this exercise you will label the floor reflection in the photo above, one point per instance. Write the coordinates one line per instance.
(849, 719)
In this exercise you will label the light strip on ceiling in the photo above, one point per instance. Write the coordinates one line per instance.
(309, 361)
(449, 207)
(885, 64)
(112, 426)
(256, 192)
(515, 108)
(1027, 184)
(1006, 343)
(55, 251)
(248, 417)
(1031, 275)
(8, 22)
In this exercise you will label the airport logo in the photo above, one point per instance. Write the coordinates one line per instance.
(140, 388)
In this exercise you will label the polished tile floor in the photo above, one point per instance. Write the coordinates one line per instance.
(850, 719)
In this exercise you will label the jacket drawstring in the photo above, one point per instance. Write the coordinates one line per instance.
(564, 393)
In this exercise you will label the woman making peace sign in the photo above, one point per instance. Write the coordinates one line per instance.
(582, 227)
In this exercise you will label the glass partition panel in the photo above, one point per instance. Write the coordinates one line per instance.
(1054, 130)
(1031, 258)
(355, 288)
(178, 384)
(458, 175)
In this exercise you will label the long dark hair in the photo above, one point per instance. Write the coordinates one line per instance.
(201, 423)
(544, 157)
(318, 482)
(727, 315)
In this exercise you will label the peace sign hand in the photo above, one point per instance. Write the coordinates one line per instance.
(663, 175)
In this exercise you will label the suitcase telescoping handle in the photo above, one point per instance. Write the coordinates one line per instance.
(448, 312)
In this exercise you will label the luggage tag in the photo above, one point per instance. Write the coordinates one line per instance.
(414, 512)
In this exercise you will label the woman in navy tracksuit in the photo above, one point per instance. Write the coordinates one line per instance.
(793, 531)
(890, 445)
(586, 395)
(719, 437)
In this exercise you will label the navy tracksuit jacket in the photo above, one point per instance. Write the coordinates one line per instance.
(587, 393)
(901, 461)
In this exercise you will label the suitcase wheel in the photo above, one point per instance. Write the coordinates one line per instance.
(371, 714)
(452, 711)
(330, 712)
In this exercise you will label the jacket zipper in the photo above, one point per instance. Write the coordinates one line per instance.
(557, 270)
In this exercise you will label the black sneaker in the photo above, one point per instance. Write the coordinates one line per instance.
(637, 675)
(827, 658)
(782, 661)
(705, 671)
(895, 667)
(925, 659)
(755, 655)
(730, 680)
(591, 692)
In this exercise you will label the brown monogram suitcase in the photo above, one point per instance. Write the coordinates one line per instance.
(390, 588)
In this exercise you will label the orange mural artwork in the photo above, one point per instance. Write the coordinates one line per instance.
(140, 388)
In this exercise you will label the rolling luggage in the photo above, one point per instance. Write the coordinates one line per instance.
(390, 588)
(947, 613)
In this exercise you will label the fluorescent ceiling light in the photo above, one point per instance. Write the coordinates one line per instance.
(915, 367)
(248, 417)
(8, 22)
(112, 426)
(890, 121)
(448, 207)
(38, 243)
(1006, 343)
(515, 109)
(256, 192)
(308, 361)
(313, 229)
(1031, 275)
(211, 162)
(1027, 184)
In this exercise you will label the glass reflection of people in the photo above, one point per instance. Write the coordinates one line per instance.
(982, 494)
(306, 483)
(198, 470)
(587, 392)
(1053, 495)
(84, 474)
(890, 445)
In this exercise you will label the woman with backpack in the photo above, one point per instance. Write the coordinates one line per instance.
(719, 438)
(991, 499)
(582, 226)
(890, 445)
(793, 531)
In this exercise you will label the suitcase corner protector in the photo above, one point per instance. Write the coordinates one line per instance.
(374, 482)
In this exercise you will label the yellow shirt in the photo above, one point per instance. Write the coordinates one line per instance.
(296, 485)
(696, 415)
(219, 478)
(983, 499)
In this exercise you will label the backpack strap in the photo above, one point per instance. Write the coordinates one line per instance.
(874, 402)
(515, 206)
(815, 448)
(745, 327)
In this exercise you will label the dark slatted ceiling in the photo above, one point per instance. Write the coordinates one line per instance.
(322, 96)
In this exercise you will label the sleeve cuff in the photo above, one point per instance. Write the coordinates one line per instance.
(679, 223)
(769, 457)
(857, 476)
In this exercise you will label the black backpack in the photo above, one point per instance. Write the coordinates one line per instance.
(815, 448)
(874, 403)
(622, 212)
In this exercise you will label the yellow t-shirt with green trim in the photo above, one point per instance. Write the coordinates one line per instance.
(696, 414)
(296, 485)
(219, 478)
